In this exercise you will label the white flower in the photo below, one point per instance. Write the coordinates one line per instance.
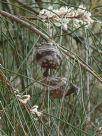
(34, 110)
(87, 14)
(64, 27)
(76, 23)
(50, 8)
(23, 99)
(63, 10)
(63, 16)
(50, 14)
(42, 13)
(71, 9)
(81, 8)
(56, 12)
(45, 14)
(16, 91)
(65, 20)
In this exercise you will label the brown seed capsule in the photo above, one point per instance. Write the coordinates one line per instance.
(73, 89)
(56, 87)
(48, 56)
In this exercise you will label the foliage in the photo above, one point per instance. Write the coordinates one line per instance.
(25, 107)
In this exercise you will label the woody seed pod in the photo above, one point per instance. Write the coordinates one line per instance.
(56, 87)
(48, 56)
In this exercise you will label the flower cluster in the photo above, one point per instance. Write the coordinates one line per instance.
(64, 16)
(34, 110)
(24, 100)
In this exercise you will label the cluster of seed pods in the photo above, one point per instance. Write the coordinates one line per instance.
(49, 57)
